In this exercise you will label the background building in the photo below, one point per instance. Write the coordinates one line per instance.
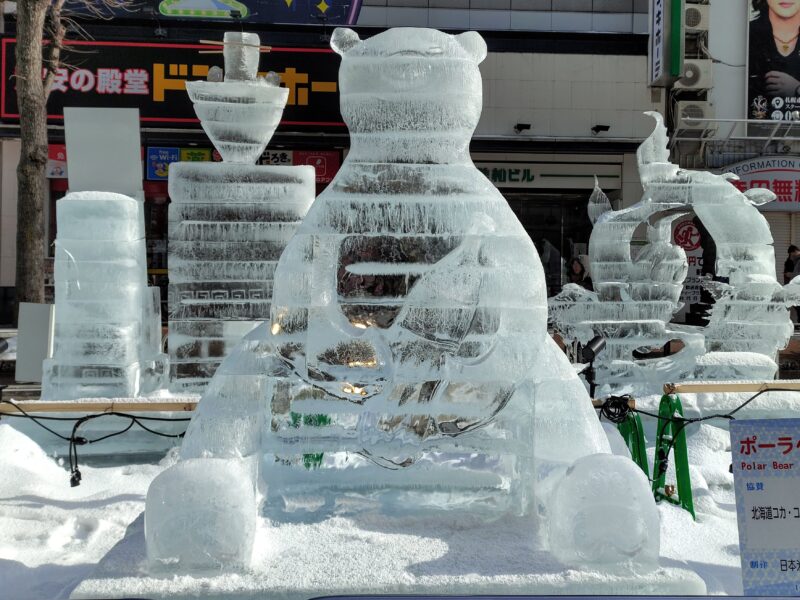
(565, 85)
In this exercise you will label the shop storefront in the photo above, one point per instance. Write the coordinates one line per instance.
(781, 175)
(152, 78)
(549, 194)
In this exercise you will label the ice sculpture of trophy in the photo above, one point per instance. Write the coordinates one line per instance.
(407, 365)
(229, 221)
(107, 340)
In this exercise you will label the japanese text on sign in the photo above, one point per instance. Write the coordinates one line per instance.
(766, 470)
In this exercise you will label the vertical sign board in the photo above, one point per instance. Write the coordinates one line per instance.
(766, 474)
(666, 48)
(686, 235)
(658, 41)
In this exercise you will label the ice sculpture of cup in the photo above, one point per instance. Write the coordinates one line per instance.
(636, 296)
(407, 361)
(229, 221)
(107, 340)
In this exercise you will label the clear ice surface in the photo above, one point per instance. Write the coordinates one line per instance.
(637, 293)
(220, 514)
(602, 514)
(239, 114)
(229, 222)
(407, 364)
(107, 338)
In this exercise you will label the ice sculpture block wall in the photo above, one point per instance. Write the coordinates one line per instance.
(637, 295)
(107, 321)
(229, 221)
(228, 224)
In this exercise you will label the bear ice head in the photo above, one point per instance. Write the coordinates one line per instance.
(409, 81)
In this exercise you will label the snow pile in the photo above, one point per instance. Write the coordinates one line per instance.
(51, 535)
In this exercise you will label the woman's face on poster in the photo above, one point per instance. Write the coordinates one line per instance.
(784, 8)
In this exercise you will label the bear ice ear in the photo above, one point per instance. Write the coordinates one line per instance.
(343, 39)
(473, 43)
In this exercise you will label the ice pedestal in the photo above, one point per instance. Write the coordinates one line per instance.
(228, 224)
(107, 339)
(376, 554)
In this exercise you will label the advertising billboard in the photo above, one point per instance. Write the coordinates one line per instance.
(152, 77)
(773, 60)
(780, 174)
(333, 12)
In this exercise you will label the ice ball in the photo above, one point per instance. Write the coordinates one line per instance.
(602, 514)
(200, 514)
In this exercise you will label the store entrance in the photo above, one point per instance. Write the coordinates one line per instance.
(558, 224)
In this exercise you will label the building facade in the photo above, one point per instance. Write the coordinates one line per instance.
(565, 84)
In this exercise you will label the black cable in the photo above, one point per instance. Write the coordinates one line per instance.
(75, 440)
(616, 410)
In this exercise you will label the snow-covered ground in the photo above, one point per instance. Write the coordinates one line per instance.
(52, 535)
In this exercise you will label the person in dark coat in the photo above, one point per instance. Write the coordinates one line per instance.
(790, 263)
(576, 273)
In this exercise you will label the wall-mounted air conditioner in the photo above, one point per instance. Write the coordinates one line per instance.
(686, 112)
(696, 18)
(697, 75)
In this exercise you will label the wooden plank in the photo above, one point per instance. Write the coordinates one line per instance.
(97, 407)
(701, 387)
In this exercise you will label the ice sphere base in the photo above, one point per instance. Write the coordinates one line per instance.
(224, 496)
(375, 554)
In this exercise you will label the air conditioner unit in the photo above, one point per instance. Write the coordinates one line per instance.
(696, 18)
(697, 75)
(686, 112)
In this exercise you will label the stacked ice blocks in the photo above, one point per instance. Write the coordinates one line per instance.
(228, 224)
(107, 321)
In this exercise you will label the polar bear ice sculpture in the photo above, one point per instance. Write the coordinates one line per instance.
(408, 345)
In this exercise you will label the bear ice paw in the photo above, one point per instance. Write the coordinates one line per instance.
(200, 514)
(602, 515)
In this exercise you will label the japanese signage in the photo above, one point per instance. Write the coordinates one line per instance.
(551, 175)
(325, 162)
(56, 161)
(152, 78)
(158, 161)
(334, 12)
(665, 51)
(781, 174)
(195, 154)
(766, 474)
(773, 62)
(658, 38)
(686, 235)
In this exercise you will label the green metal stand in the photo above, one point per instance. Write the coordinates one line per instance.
(672, 435)
(633, 434)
